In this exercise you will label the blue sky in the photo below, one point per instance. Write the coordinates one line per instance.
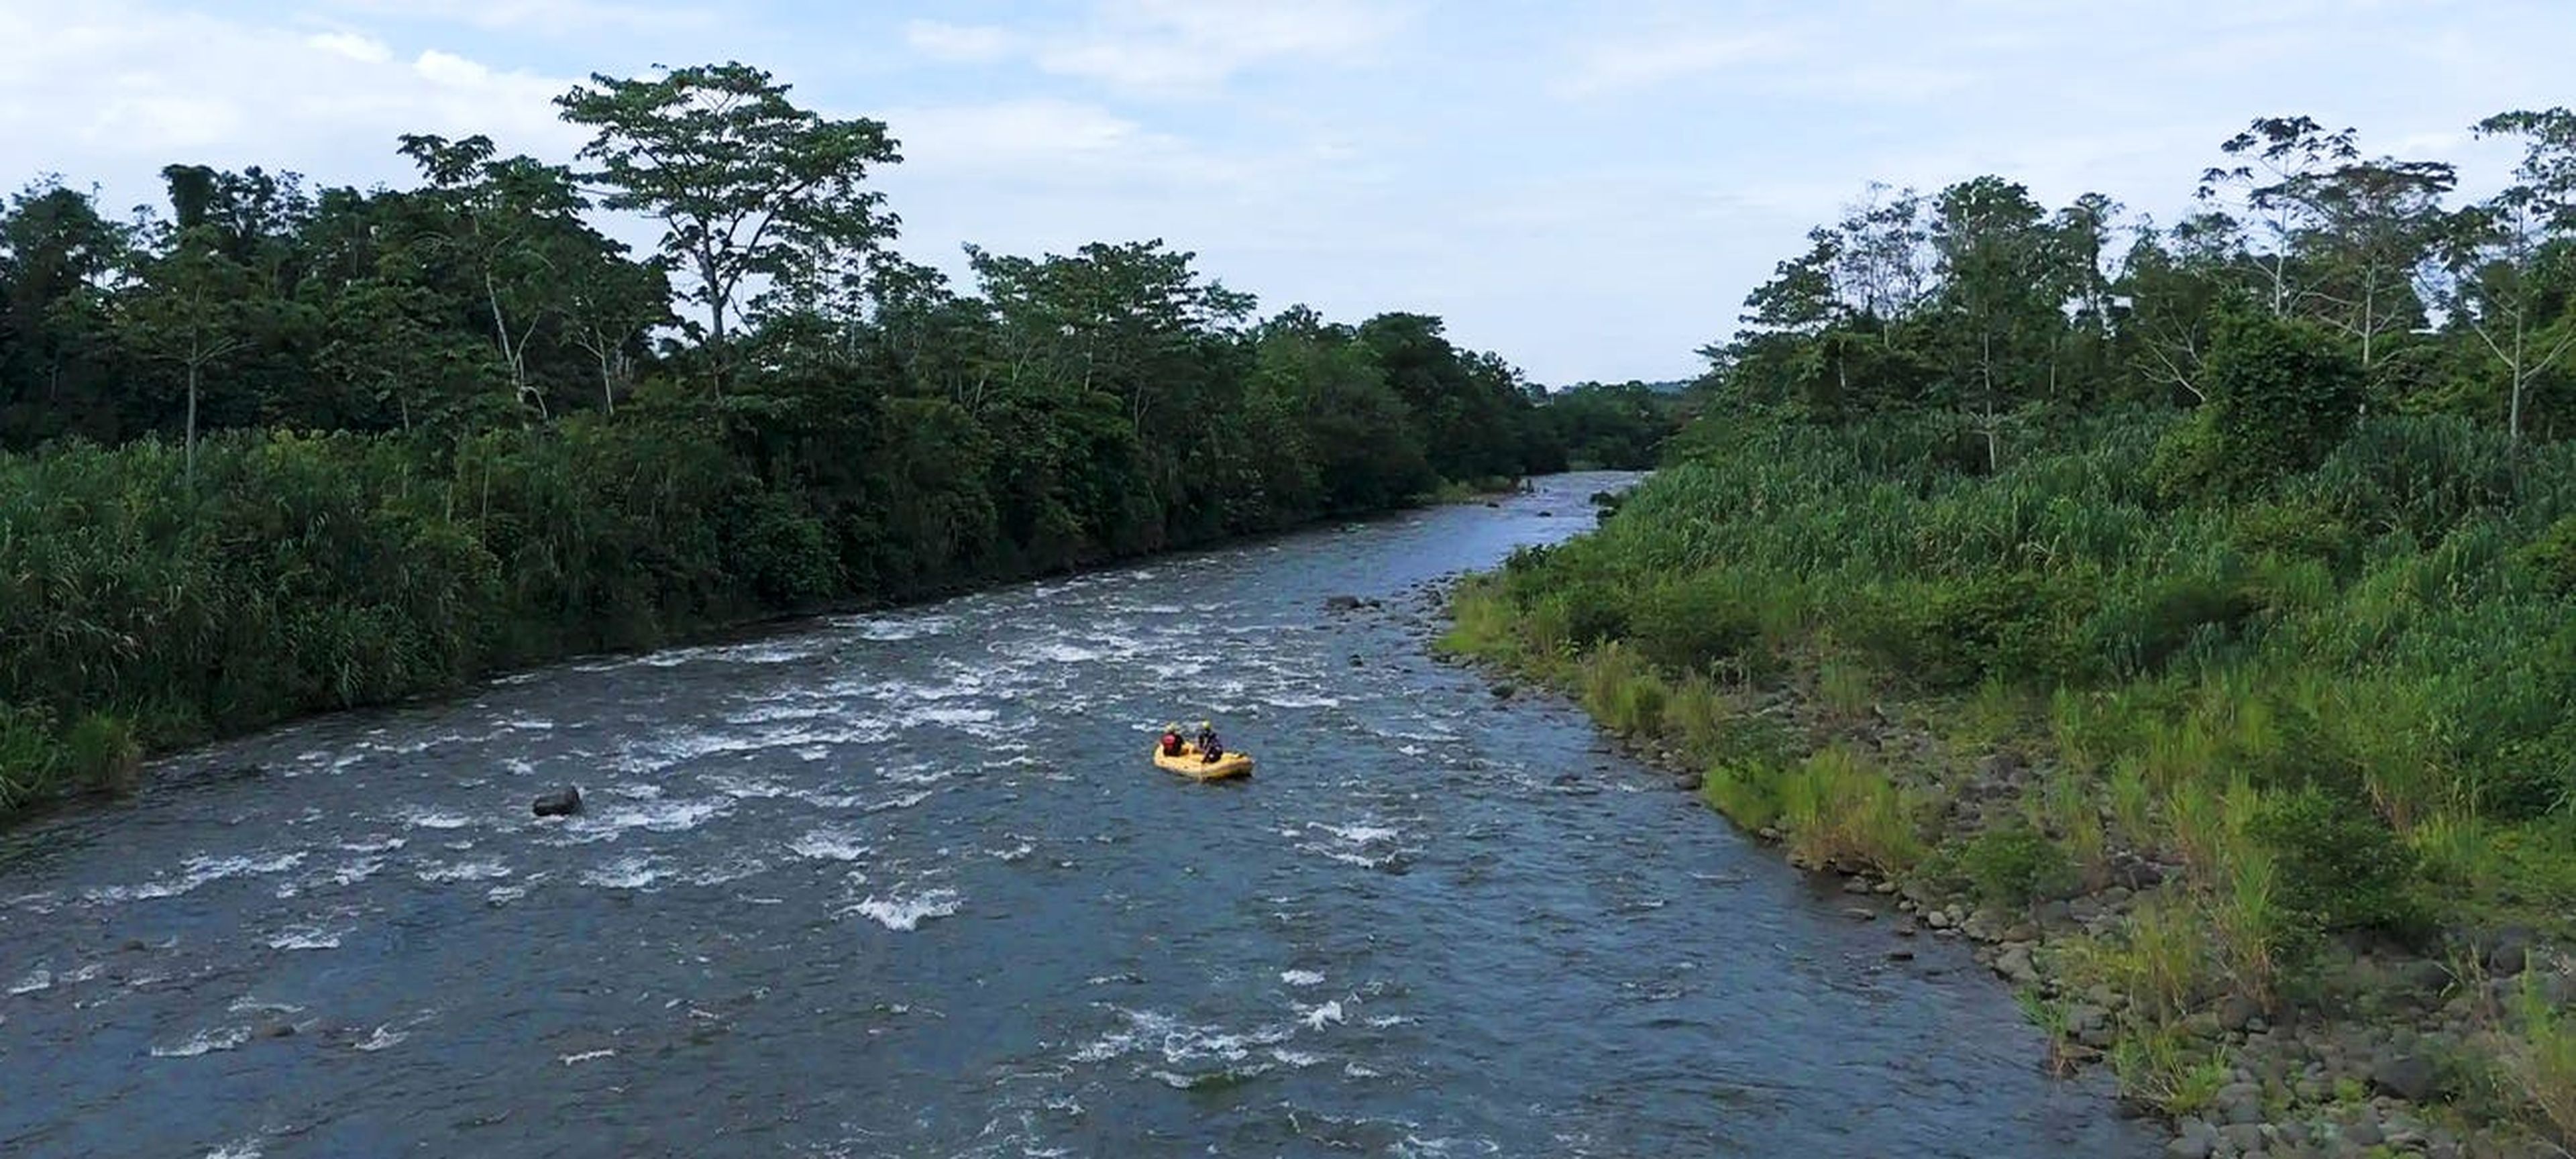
(1587, 189)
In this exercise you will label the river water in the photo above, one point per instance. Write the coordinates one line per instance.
(906, 884)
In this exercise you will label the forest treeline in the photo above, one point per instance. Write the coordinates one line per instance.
(2216, 576)
(272, 449)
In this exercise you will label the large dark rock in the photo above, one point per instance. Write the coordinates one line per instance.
(561, 803)
(2407, 1076)
(2509, 950)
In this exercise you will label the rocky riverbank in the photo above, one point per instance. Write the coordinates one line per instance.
(2387, 1052)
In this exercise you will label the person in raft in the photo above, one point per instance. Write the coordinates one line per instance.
(1209, 747)
(1171, 740)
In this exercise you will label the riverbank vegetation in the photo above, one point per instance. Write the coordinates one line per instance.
(278, 449)
(2190, 620)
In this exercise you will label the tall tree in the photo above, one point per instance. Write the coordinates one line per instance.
(1996, 256)
(2508, 263)
(748, 186)
(2279, 161)
(190, 311)
(2376, 224)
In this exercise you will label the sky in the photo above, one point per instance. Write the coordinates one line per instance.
(1588, 189)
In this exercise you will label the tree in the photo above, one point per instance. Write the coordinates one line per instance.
(2506, 261)
(190, 311)
(60, 263)
(2277, 182)
(513, 226)
(748, 186)
(1995, 259)
(2376, 223)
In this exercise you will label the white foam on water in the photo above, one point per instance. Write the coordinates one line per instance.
(1357, 834)
(384, 1037)
(634, 871)
(773, 713)
(1318, 1017)
(357, 871)
(418, 817)
(1300, 700)
(464, 871)
(197, 871)
(734, 868)
(905, 914)
(830, 845)
(919, 775)
(237, 1149)
(377, 844)
(945, 716)
(745, 788)
(895, 628)
(1301, 977)
(307, 938)
(1382, 1021)
(813, 753)
(1179, 1043)
(587, 1056)
(1295, 1058)
(1019, 852)
(38, 980)
(1356, 1071)
(522, 722)
(505, 894)
(906, 801)
(246, 1004)
(1062, 652)
(653, 813)
(206, 1041)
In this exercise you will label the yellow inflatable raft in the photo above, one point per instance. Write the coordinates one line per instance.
(1188, 764)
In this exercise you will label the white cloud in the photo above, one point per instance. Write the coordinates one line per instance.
(548, 17)
(124, 88)
(1645, 62)
(962, 43)
(1011, 137)
(1173, 47)
(352, 45)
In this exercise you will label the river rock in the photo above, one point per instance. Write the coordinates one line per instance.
(2014, 965)
(1342, 603)
(2508, 950)
(1690, 782)
(2237, 1012)
(561, 803)
(1505, 691)
(2239, 1103)
(2407, 1076)
(2246, 1138)
(2198, 1140)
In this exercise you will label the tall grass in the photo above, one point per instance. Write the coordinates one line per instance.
(2337, 700)
(1841, 812)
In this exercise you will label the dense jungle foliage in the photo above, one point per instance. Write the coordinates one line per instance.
(272, 450)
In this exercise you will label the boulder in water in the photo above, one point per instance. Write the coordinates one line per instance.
(561, 803)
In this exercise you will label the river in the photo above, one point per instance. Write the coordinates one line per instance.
(906, 884)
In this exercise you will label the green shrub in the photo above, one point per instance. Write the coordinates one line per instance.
(2340, 868)
(102, 752)
(2014, 864)
(1693, 623)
